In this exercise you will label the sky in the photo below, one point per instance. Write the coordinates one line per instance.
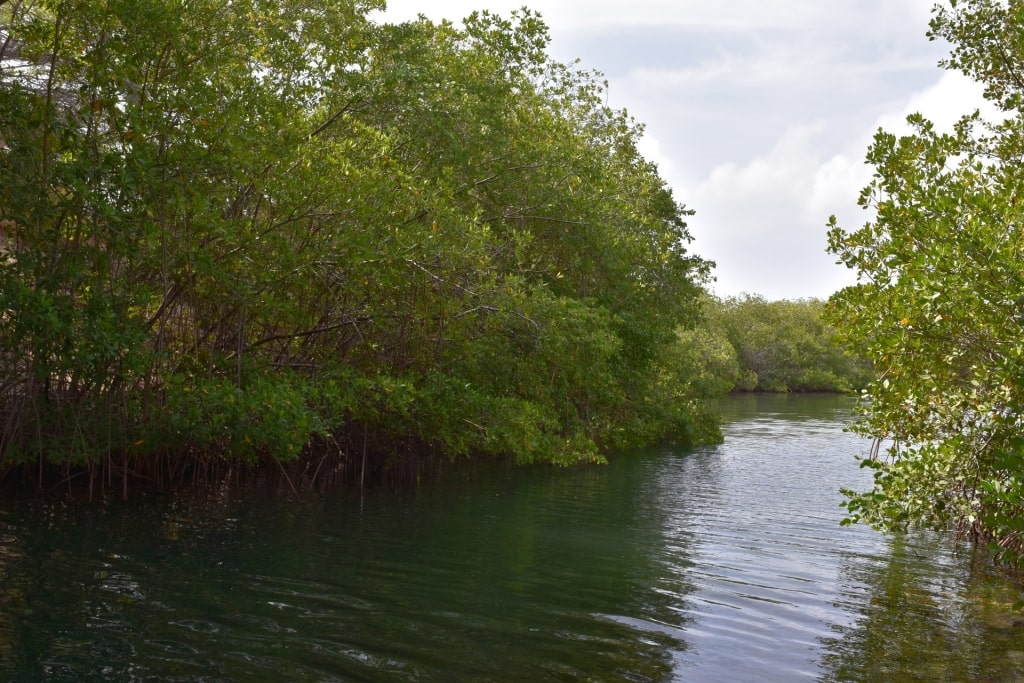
(759, 113)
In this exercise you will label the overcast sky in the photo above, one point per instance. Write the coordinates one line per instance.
(758, 112)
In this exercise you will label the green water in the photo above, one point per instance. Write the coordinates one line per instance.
(720, 564)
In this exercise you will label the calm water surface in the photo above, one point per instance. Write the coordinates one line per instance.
(720, 564)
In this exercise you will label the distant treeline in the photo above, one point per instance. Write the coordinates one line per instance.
(747, 343)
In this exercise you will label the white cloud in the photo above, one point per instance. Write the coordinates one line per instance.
(838, 180)
(953, 96)
(779, 65)
(650, 148)
(752, 220)
(597, 15)
(769, 213)
(770, 173)
(723, 15)
(872, 16)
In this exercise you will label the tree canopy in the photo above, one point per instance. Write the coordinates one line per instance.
(247, 230)
(938, 305)
(786, 346)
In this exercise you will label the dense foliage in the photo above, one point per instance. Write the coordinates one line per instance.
(788, 346)
(254, 229)
(938, 304)
(748, 343)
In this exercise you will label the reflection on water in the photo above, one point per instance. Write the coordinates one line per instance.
(762, 512)
(931, 615)
(725, 563)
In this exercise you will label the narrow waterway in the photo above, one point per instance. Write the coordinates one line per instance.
(719, 564)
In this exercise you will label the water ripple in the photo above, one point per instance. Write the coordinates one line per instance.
(720, 564)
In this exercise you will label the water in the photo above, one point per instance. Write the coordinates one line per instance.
(720, 564)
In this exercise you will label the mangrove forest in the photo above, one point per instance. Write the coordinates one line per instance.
(267, 231)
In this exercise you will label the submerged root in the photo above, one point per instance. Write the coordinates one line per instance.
(329, 463)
